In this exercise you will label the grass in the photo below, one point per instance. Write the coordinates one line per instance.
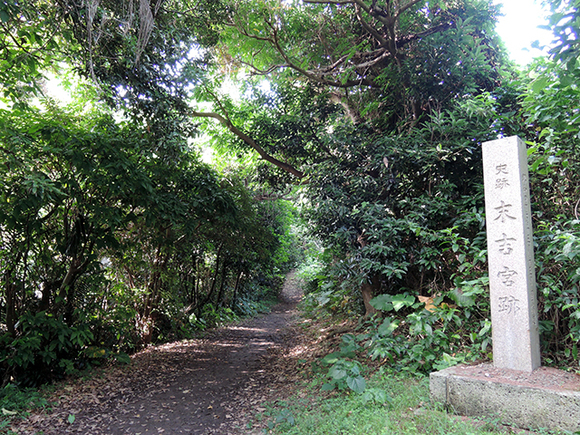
(394, 402)
(406, 410)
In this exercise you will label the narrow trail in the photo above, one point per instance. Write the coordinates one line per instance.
(201, 386)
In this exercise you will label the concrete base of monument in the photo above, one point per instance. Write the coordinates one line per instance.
(546, 398)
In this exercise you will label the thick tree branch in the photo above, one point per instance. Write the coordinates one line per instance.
(251, 142)
(363, 5)
(262, 72)
(310, 74)
(439, 28)
(370, 28)
(380, 27)
(386, 54)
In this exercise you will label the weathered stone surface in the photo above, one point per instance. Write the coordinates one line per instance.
(512, 278)
(551, 400)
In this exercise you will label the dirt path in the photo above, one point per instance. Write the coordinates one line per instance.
(202, 386)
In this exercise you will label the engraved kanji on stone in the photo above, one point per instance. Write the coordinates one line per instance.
(507, 276)
(508, 305)
(503, 212)
(501, 183)
(501, 169)
(505, 244)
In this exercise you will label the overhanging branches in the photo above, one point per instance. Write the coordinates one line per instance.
(249, 141)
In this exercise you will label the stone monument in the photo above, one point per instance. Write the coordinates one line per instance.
(512, 278)
(514, 388)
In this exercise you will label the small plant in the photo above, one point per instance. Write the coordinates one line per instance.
(345, 373)
(16, 402)
(284, 416)
(46, 347)
(216, 316)
(377, 396)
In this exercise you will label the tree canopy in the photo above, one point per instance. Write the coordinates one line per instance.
(369, 115)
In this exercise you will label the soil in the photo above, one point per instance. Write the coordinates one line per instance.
(212, 385)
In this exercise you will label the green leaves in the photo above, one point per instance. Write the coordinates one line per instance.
(4, 17)
(28, 48)
(392, 302)
(344, 373)
(388, 326)
(356, 383)
(539, 84)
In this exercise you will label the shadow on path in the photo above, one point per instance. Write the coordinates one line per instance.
(205, 386)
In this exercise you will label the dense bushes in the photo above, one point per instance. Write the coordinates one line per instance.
(114, 234)
(113, 237)
(405, 218)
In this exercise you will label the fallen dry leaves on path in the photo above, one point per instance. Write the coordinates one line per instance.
(212, 385)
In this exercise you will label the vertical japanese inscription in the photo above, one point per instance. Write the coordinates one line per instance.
(510, 255)
(505, 244)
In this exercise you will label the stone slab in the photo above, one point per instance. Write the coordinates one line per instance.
(512, 279)
(546, 398)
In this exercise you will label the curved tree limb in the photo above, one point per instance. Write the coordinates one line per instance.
(370, 28)
(251, 142)
(310, 74)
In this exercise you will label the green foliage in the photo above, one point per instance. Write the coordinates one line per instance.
(549, 98)
(119, 236)
(565, 24)
(427, 340)
(147, 65)
(395, 64)
(392, 302)
(558, 286)
(212, 317)
(345, 372)
(393, 164)
(29, 46)
(402, 210)
(16, 402)
(402, 406)
(46, 349)
(114, 234)
(283, 417)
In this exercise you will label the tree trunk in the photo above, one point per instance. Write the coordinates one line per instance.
(48, 289)
(11, 288)
(222, 283)
(236, 286)
(10, 306)
(66, 290)
(369, 290)
(215, 276)
(192, 282)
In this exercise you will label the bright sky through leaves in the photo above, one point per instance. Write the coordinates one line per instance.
(519, 28)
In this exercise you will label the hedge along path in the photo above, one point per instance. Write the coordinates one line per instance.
(202, 386)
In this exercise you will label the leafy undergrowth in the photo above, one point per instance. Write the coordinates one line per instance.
(210, 383)
(16, 402)
(391, 402)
